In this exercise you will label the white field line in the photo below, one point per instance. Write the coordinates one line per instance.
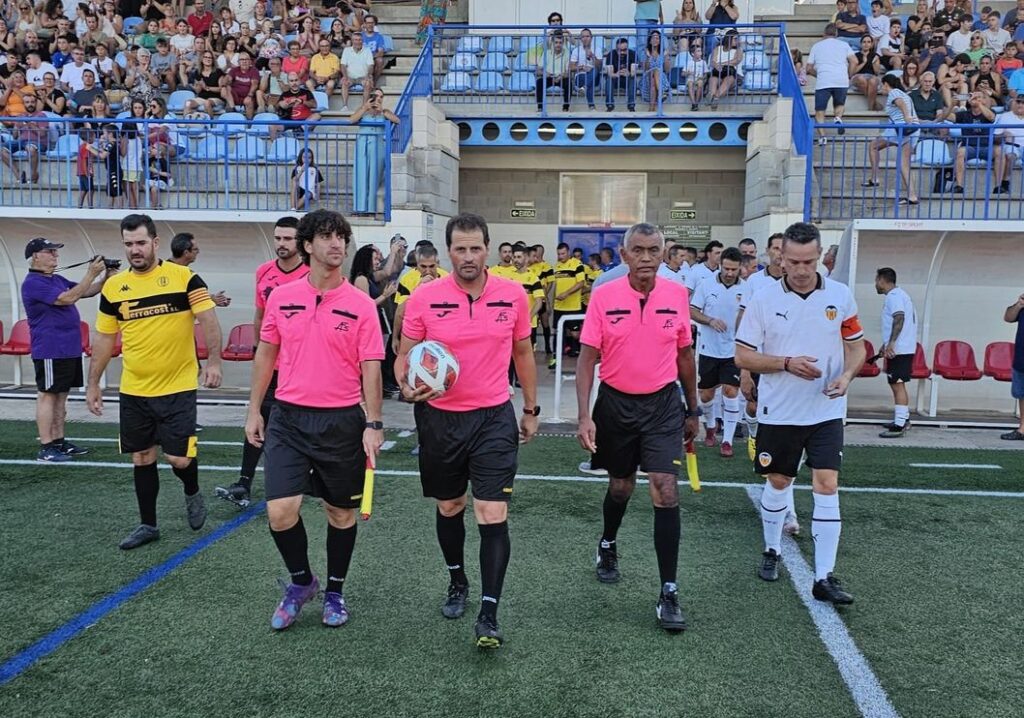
(956, 466)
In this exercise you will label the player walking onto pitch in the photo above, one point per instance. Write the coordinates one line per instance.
(318, 438)
(803, 337)
(154, 305)
(468, 435)
(639, 326)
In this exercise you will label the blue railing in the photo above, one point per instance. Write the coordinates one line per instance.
(196, 164)
(500, 65)
(950, 175)
(420, 84)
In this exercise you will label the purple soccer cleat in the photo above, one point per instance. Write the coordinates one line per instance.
(335, 610)
(294, 598)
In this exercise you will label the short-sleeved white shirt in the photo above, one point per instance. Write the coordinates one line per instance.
(698, 273)
(358, 64)
(780, 322)
(878, 27)
(718, 301)
(755, 283)
(830, 58)
(1016, 133)
(897, 301)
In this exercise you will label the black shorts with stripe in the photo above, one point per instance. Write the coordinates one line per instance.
(897, 369)
(58, 376)
(779, 447)
(165, 421)
(459, 449)
(313, 451)
(644, 430)
(715, 371)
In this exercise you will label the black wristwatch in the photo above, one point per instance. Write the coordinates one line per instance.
(375, 425)
(535, 411)
(688, 414)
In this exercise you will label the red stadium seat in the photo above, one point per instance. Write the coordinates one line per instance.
(86, 339)
(920, 370)
(954, 360)
(241, 344)
(18, 343)
(999, 361)
(869, 370)
(202, 351)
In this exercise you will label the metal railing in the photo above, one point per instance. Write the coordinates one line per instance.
(952, 171)
(420, 84)
(500, 65)
(182, 164)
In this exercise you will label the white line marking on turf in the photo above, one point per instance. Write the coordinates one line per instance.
(387, 446)
(956, 466)
(404, 434)
(864, 686)
(106, 440)
(572, 479)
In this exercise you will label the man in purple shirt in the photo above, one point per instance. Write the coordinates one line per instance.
(56, 340)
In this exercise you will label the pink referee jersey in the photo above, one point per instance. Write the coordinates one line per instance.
(323, 338)
(638, 340)
(269, 275)
(480, 334)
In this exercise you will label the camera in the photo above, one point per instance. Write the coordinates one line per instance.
(111, 263)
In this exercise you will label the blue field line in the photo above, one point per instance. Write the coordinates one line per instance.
(49, 643)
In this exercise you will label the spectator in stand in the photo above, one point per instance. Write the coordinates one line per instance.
(150, 36)
(306, 182)
(851, 25)
(726, 68)
(189, 62)
(1013, 140)
(242, 84)
(585, 65)
(273, 82)
(928, 104)
(691, 71)
(71, 73)
(182, 41)
(654, 82)
(228, 24)
(977, 50)
(51, 99)
(296, 104)
(29, 135)
(988, 82)
(554, 72)
(1014, 314)
(1014, 17)
(14, 102)
(892, 54)
(8, 40)
(935, 54)
(620, 65)
(27, 20)
(93, 35)
(140, 81)
(721, 12)
(977, 143)
(831, 61)
(246, 41)
(164, 64)
(917, 24)
(1009, 62)
(1015, 85)
(911, 74)
(377, 43)
(324, 68)
(952, 81)
(904, 135)
(308, 36)
(81, 101)
(687, 15)
(356, 69)
(270, 44)
(947, 20)
(353, 20)
(865, 72)
(295, 63)
(32, 43)
(112, 22)
(259, 17)
(960, 41)
(159, 174)
(215, 37)
(340, 37)
(878, 23)
(244, 10)
(228, 56)
(61, 56)
(36, 69)
(200, 19)
(10, 66)
(996, 37)
(108, 71)
(52, 11)
(206, 81)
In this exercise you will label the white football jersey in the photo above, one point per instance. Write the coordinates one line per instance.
(718, 301)
(897, 301)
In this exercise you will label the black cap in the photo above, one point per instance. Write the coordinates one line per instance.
(40, 244)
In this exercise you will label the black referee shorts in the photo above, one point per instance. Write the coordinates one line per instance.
(58, 376)
(779, 447)
(463, 448)
(168, 421)
(644, 430)
(318, 452)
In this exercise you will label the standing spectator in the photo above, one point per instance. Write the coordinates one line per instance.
(620, 64)
(721, 12)
(851, 25)
(1013, 314)
(831, 61)
(56, 340)
(975, 143)
(356, 68)
(368, 168)
(85, 169)
(585, 65)
(878, 23)
(687, 15)
(645, 14)
(432, 12)
(306, 181)
(865, 70)
(554, 72)
(726, 68)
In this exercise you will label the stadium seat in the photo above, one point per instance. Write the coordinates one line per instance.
(456, 82)
(129, 24)
(231, 124)
(325, 25)
(756, 60)
(241, 344)
(525, 63)
(869, 370)
(283, 150)
(463, 62)
(502, 44)
(248, 149)
(262, 130)
(83, 328)
(919, 369)
(932, 153)
(999, 361)
(66, 148)
(489, 82)
(289, 37)
(56, 128)
(758, 81)
(18, 344)
(752, 41)
(202, 351)
(212, 148)
(471, 43)
(522, 82)
(323, 102)
(528, 42)
(176, 102)
(494, 62)
(953, 360)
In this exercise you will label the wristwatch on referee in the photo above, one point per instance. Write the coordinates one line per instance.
(378, 425)
(535, 411)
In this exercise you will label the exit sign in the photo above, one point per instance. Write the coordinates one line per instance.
(676, 214)
(523, 214)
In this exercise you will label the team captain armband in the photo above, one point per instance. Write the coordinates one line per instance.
(851, 329)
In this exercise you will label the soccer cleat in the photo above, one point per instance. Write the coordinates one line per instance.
(830, 590)
(586, 468)
(488, 635)
(751, 448)
(236, 493)
(195, 509)
(454, 605)
(51, 455)
(607, 561)
(895, 431)
(769, 569)
(552, 363)
(69, 449)
(142, 534)
(709, 437)
(335, 610)
(790, 525)
(294, 599)
(725, 450)
(670, 613)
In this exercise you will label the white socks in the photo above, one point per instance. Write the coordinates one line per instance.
(825, 529)
(773, 511)
(709, 415)
(732, 416)
(751, 424)
(902, 415)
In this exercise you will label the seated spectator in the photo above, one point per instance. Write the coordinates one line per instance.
(952, 80)
(228, 24)
(960, 41)
(975, 143)
(269, 45)
(1013, 141)
(81, 100)
(691, 71)
(112, 23)
(246, 41)
(554, 72)
(918, 26)
(148, 39)
(36, 69)
(977, 50)
(309, 36)
(928, 104)
(324, 68)
(201, 19)
(51, 98)
(1009, 62)
(243, 82)
(107, 71)
(10, 66)
(71, 73)
(27, 21)
(339, 37)
(94, 36)
(988, 82)
(155, 10)
(878, 22)
(350, 18)
(140, 81)
(215, 37)
(585, 65)
(295, 11)
(935, 55)
(867, 68)
(296, 63)
(190, 61)
(12, 103)
(892, 54)
(1015, 85)
(245, 10)
(911, 75)
(726, 68)
(206, 81)
(8, 40)
(52, 12)
(61, 56)
(620, 66)
(296, 104)
(851, 25)
(356, 69)
(306, 181)
(32, 43)
(996, 38)
(182, 41)
(101, 111)
(259, 16)
(272, 84)
(654, 82)
(229, 55)
(947, 20)
(378, 43)
(28, 135)
(1014, 17)
(164, 64)
(903, 134)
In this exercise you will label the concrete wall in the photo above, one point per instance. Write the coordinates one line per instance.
(427, 176)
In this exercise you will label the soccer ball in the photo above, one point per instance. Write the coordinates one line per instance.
(432, 364)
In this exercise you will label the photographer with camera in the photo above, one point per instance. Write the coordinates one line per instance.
(56, 339)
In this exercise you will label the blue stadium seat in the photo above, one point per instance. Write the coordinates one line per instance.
(283, 150)
(464, 62)
(932, 153)
(176, 102)
(756, 60)
(528, 42)
(66, 148)
(248, 149)
(525, 62)
(129, 24)
(212, 148)
(494, 62)
(291, 36)
(231, 124)
(490, 82)
(752, 41)
(522, 81)
(471, 43)
(758, 81)
(503, 44)
(456, 82)
(259, 130)
(323, 102)
(194, 130)
(56, 129)
(325, 24)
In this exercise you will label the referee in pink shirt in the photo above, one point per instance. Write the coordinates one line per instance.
(469, 435)
(318, 437)
(639, 328)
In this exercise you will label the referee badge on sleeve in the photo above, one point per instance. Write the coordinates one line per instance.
(764, 459)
